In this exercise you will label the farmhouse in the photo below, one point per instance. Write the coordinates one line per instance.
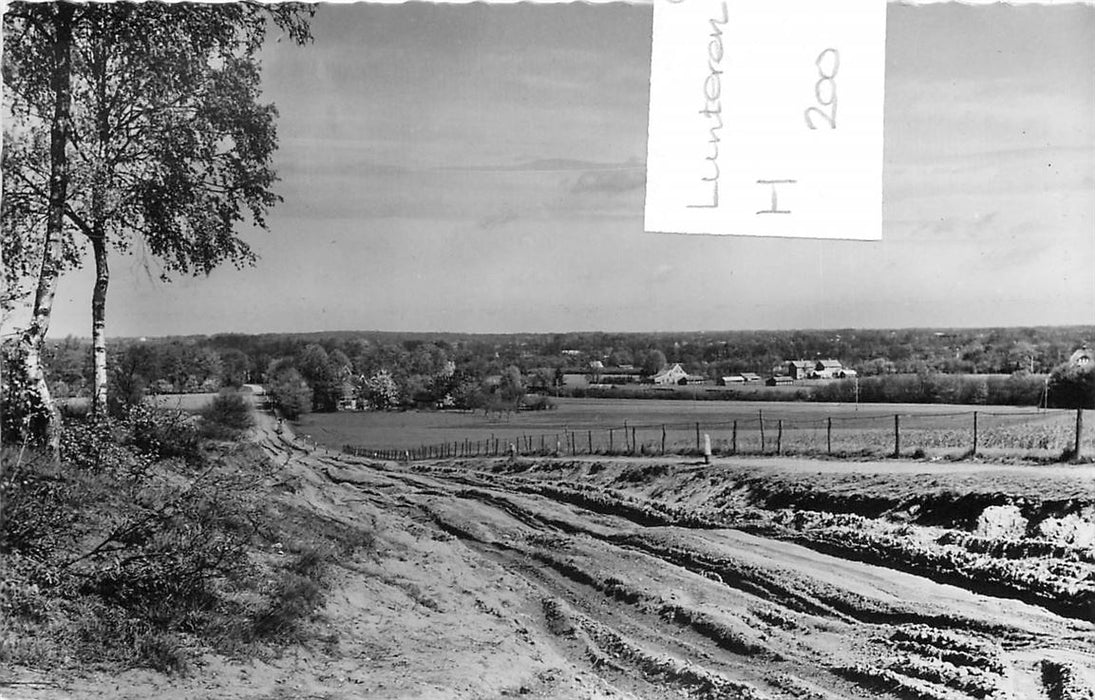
(671, 375)
(799, 369)
(827, 369)
(1083, 357)
(348, 398)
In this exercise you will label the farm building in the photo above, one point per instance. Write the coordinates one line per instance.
(621, 375)
(671, 375)
(779, 380)
(743, 378)
(827, 369)
(799, 369)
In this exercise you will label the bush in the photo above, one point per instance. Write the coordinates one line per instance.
(227, 415)
(115, 555)
(1072, 386)
(294, 598)
(130, 548)
(161, 432)
(23, 418)
(538, 403)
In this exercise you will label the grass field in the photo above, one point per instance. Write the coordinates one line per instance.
(788, 427)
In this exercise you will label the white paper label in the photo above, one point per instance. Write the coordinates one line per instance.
(766, 118)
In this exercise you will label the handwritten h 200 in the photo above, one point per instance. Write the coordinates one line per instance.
(827, 63)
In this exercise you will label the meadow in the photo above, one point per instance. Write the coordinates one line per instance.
(651, 426)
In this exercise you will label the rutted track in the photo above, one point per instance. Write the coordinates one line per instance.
(657, 606)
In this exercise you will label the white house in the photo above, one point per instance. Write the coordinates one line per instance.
(671, 375)
(827, 369)
(1082, 357)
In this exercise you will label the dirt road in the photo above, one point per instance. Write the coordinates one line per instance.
(479, 581)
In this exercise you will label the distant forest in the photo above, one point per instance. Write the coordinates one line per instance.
(414, 361)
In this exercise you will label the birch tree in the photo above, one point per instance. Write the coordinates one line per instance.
(163, 139)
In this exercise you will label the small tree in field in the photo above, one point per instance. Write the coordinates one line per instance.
(512, 389)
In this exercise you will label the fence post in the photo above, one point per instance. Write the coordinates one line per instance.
(829, 436)
(761, 414)
(697, 436)
(541, 443)
(610, 446)
(779, 437)
(974, 434)
(663, 438)
(734, 439)
(896, 435)
(589, 435)
(627, 442)
(633, 439)
(1079, 434)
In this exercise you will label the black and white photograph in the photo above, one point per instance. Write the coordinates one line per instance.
(576, 350)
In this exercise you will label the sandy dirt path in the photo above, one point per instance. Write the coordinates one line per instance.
(472, 588)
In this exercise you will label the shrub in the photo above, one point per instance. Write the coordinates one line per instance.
(23, 418)
(35, 509)
(539, 403)
(1072, 386)
(113, 555)
(161, 432)
(228, 414)
(294, 596)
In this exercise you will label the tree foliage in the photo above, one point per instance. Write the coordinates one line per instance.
(147, 127)
(1072, 386)
(290, 393)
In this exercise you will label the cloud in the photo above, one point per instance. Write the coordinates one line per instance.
(547, 165)
(497, 219)
(610, 181)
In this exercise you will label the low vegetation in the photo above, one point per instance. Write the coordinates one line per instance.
(150, 542)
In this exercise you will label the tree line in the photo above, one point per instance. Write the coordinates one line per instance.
(321, 372)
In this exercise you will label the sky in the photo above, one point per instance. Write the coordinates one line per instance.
(478, 168)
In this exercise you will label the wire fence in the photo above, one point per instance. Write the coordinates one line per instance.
(1036, 434)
